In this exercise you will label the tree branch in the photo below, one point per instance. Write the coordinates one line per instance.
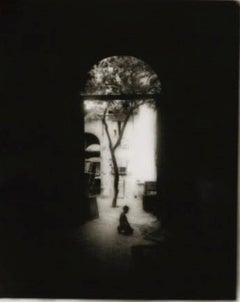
(123, 128)
(107, 130)
(119, 127)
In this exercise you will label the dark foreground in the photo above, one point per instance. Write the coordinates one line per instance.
(39, 260)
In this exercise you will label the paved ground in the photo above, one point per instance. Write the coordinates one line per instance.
(96, 262)
(102, 242)
(84, 262)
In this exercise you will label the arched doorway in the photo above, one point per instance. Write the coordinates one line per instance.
(92, 164)
(120, 106)
(90, 139)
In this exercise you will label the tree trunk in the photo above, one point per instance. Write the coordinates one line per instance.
(112, 149)
(114, 160)
(116, 179)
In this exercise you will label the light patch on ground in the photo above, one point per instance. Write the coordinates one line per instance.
(102, 242)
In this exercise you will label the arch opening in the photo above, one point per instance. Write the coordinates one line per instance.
(92, 164)
(120, 109)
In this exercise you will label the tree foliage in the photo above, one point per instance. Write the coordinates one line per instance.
(122, 75)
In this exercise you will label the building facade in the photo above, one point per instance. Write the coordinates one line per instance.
(136, 155)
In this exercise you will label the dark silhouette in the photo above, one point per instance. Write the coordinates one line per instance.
(124, 226)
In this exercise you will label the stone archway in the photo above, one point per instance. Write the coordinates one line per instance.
(92, 164)
(90, 139)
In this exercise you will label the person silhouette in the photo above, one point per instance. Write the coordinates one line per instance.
(124, 226)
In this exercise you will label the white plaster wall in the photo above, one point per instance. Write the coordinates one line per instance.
(137, 151)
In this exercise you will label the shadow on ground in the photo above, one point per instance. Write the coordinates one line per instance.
(94, 261)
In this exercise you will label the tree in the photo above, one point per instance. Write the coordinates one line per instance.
(120, 77)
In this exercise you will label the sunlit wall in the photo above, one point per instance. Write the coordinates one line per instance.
(137, 152)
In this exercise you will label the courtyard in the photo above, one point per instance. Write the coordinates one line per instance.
(110, 250)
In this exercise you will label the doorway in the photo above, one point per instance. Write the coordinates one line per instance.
(120, 109)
